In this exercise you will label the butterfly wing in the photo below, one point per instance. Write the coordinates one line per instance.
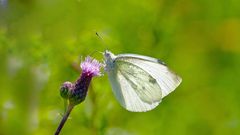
(135, 89)
(167, 80)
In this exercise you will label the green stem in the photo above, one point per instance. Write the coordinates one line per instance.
(64, 119)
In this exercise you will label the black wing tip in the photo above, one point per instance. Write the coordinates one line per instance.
(161, 62)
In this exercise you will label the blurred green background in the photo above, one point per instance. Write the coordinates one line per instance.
(42, 42)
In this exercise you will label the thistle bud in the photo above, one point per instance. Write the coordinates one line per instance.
(66, 89)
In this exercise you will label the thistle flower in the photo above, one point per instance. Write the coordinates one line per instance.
(76, 93)
(90, 68)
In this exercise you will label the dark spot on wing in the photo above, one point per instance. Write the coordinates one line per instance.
(152, 80)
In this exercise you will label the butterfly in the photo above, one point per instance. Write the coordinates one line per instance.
(139, 82)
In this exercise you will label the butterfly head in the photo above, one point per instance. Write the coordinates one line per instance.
(109, 55)
(109, 60)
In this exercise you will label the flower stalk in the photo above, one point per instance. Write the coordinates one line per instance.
(64, 119)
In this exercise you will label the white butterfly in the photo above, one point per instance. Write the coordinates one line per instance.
(139, 82)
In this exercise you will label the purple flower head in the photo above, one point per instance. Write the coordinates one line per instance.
(91, 67)
(78, 91)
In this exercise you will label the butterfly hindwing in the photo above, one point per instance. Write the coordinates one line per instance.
(134, 88)
(143, 83)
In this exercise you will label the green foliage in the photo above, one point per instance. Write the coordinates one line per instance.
(42, 42)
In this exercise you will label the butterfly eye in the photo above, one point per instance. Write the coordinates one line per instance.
(107, 55)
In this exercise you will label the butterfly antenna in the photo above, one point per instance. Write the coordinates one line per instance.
(102, 40)
(92, 53)
(99, 36)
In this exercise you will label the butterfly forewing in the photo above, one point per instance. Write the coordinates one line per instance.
(167, 80)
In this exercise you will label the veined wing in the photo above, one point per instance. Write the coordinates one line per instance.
(140, 57)
(167, 80)
(134, 88)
